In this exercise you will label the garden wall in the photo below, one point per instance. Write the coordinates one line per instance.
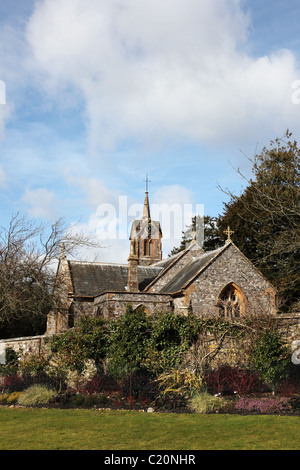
(28, 344)
(289, 326)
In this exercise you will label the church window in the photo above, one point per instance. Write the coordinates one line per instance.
(231, 302)
(99, 312)
(71, 317)
(147, 247)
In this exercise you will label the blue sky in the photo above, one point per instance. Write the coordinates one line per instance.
(102, 92)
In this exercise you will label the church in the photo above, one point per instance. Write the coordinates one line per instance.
(219, 283)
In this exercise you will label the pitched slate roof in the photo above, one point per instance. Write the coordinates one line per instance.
(92, 279)
(167, 264)
(189, 271)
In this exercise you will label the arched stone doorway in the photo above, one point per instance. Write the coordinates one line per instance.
(231, 302)
(142, 307)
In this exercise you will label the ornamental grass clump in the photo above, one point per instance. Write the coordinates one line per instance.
(206, 403)
(36, 395)
(180, 382)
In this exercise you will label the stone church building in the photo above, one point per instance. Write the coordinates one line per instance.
(222, 282)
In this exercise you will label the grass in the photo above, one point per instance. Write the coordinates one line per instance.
(50, 429)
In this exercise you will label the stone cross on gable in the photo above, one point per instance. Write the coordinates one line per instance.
(228, 232)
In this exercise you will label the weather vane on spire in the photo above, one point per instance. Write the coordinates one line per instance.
(147, 181)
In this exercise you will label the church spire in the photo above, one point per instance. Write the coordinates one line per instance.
(145, 238)
(146, 210)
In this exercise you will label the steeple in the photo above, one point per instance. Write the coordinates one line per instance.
(145, 237)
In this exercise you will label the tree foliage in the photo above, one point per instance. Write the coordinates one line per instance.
(128, 340)
(270, 357)
(212, 237)
(265, 218)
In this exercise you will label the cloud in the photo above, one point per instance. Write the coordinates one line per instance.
(3, 178)
(93, 188)
(40, 203)
(13, 72)
(5, 113)
(162, 69)
(113, 214)
(174, 206)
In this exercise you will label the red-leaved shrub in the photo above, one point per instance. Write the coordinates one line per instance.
(100, 383)
(229, 380)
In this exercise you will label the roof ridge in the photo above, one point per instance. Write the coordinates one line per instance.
(123, 265)
(102, 263)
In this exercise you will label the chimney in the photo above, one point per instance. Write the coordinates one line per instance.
(133, 262)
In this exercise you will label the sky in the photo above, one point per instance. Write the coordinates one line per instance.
(97, 94)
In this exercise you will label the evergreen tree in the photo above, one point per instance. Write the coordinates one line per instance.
(265, 218)
(212, 238)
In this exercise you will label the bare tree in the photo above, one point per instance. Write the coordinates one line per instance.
(28, 256)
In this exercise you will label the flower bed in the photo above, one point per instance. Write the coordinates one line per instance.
(266, 405)
(246, 405)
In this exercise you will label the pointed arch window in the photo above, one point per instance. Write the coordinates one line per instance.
(147, 247)
(231, 302)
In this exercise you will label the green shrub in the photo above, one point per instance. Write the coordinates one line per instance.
(206, 403)
(36, 395)
(88, 401)
(76, 400)
(270, 356)
(92, 401)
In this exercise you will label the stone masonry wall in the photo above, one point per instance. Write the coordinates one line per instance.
(202, 295)
(25, 345)
(288, 324)
(114, 304)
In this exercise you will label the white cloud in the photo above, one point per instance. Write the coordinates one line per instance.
(174, 206)
(3, 178)
(103, 221)
(162, 68)
(111, 220)
(94, 189)
(13, 47)
(5, 113)
(40, 203)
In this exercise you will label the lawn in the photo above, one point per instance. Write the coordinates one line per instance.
(53, 429)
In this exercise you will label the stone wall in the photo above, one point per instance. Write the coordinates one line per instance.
(231, 267)
(288, 324)
(25, 345)
(114, 304)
